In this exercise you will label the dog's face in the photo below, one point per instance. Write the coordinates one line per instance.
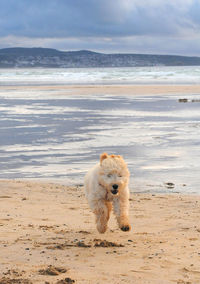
(114, 174)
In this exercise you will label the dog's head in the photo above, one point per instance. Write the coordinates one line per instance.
(114, 174)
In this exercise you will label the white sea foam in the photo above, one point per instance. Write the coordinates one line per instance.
(129, 75)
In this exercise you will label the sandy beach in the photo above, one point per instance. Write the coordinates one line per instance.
(48, 235)
(112, 89)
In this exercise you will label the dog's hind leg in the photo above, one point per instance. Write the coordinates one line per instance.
(102, 213)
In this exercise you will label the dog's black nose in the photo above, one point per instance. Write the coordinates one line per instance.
(115, 186)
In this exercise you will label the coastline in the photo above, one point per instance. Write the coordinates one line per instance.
(46, 226)
(111, 89)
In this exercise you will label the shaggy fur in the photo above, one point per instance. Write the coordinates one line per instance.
(106, 186)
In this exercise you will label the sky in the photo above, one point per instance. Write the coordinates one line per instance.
(109, 26)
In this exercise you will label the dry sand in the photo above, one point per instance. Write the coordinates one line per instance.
(112, 89)
(48, 235)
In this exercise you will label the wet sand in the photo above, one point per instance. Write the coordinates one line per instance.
(112, 89)
(48, 235)
(52, 132)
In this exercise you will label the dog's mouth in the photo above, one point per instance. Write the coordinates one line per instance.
(114, 191)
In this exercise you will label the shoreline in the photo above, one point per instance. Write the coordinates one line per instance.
(48, 234)
(125, 89)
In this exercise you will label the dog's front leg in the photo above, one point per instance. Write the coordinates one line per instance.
(121, 210)
(102, 213)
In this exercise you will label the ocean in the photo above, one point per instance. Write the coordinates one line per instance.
(133, 75)
(47, 134)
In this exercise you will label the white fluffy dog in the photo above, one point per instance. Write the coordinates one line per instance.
(106, 184)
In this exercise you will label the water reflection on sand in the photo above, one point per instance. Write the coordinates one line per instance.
(44, 135)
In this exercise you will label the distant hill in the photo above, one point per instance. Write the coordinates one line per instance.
(47, 57)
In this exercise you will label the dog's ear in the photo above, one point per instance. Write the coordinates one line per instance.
(103, 157)
(119, 156)
(116, 156)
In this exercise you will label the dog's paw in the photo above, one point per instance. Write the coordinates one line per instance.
(101, 229)
(125, 228)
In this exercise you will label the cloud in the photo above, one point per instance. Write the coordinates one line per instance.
(61, 18)
(101, 24)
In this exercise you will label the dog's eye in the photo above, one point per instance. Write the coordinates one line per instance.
(109, 175)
